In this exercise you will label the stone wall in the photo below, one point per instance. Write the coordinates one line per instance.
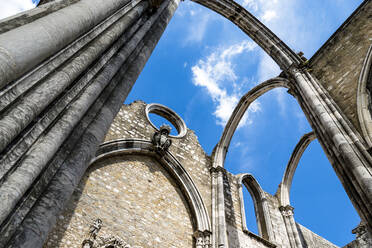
(136, 199)
(146, 206)
(131, 122)
(277, 222)
(139, 201)
(237, 238)
(311, 239)
(338, 63)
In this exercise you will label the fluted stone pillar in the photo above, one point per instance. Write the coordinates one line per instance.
(290, 225)
(63, 78)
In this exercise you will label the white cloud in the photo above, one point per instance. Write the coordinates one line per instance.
(196, 31)
(217, 71)
(12, 7)
(269, 15)
(197, 18)
(275, 14)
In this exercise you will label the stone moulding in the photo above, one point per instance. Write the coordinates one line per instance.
(238, 113)
(144, 147)
(364, 98)
(169, 115)
(221, 149)
(285, 186)
(260, 207)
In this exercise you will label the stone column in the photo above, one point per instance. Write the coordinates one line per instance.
(290, 225)
(218, 208)
(63, 79)
(342, 144)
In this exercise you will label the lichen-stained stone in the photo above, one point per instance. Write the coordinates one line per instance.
(137, 200)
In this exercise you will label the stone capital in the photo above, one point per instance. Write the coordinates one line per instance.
(217, 169)
(286, 210)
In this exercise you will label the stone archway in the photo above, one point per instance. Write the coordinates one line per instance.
(59, 130)
(343, 146)
(260, 206)
(161, 182)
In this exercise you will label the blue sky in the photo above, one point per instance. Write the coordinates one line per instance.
(202, 66)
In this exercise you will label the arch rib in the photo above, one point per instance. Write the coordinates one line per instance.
(238, 113)
(363, 99)
(258, 32)
(285, 185)
(219, 238)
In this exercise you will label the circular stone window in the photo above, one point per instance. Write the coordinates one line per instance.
(155, 111)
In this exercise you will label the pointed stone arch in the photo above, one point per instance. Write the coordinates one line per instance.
(173, 166)
(238, 113)
(285, 185)
(364, 98)
(258, 32)
(343, 145)
(260, 206)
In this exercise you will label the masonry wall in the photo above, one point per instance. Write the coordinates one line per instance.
(134, 195)
(236, 237)
(139, 201)
(136, 199)
(311, 239)
(338, 63)
(131, 122)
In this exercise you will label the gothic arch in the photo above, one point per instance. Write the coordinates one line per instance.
(238, 113)
(144, 147)
(285, 185)
(258, 32)
(343, 146)
(260, 206)
(364, 98)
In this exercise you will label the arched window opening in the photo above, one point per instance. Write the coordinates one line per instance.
(258, 197)
(250, 213)
(318, 197)
(158, 121)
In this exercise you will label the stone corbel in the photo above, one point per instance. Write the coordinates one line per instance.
(203, 239)
(286, 210)
(290, 225)
(217, 170)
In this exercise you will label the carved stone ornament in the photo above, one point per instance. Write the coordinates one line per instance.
(362, 235)
(161, 140)
(203, 239)
(286, 210)
(94, 241)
